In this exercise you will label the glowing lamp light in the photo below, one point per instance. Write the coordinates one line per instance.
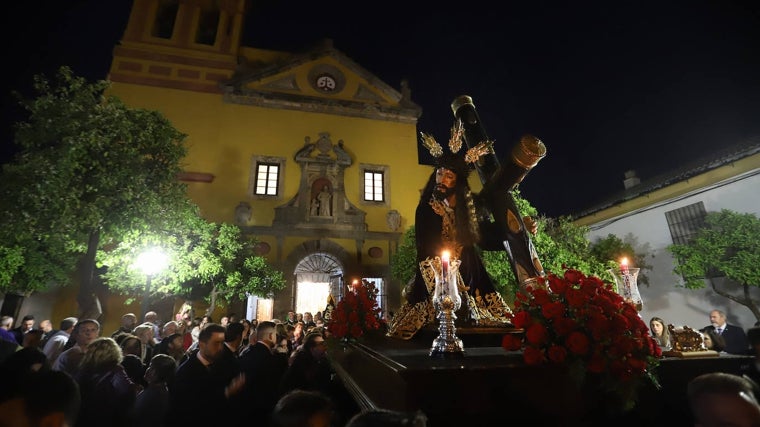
(152, 261)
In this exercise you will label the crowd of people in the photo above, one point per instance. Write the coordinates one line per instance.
(183, 372)
(719, 335)
(243, 372)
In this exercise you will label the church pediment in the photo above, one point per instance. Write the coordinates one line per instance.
(321, 80)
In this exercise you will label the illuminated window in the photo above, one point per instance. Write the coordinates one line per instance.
(374, 187)
(266, 176)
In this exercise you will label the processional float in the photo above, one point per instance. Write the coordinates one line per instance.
(498, 204)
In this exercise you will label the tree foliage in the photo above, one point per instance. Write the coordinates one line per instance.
(612, 249)
(95, 179)
(87, 168)
(404, 261)
(728, 246)
(212, 260)
(558, 242)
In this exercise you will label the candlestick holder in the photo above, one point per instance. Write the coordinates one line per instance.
(625, 280)
(446, 300)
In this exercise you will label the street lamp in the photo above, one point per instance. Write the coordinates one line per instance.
(150, 262)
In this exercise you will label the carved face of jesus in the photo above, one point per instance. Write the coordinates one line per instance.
(445, 183)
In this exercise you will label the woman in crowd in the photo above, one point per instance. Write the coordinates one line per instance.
(298, 335)
(107, 392)
(309, 369)
(660, 333)
(131, 349)
(246, 332)
(152, 404)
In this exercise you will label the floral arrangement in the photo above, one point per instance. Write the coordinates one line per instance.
(579, 322)
(357, 313)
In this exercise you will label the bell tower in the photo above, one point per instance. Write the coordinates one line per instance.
(183, 44)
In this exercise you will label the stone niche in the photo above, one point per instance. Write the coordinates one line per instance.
(321, 200)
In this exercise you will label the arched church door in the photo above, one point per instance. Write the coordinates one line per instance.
(317, 276)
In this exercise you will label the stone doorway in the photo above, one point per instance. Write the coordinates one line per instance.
(317, 276)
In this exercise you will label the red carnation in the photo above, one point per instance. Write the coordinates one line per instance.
(575, 298)
(553, 310)
(574, 276)
(563, 326)
(521, 319)
(578, 343)
(557, 285)
(541, 297)
(511, 342)
(353, 317)
(536, 334)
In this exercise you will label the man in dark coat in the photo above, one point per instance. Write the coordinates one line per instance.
(263, 369)
(202, 391)
(734, 336)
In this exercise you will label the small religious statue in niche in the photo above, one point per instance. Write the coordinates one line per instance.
(314, 208)
(324, 197)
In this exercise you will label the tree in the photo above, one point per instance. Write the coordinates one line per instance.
(404, 261)
(728, 246)
(89, 169)
(213, 260)
(559, 244)
(612, 249)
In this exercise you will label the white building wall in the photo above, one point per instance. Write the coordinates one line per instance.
(665, 295)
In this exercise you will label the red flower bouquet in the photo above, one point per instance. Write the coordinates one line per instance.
(578, 321)
(357, 313)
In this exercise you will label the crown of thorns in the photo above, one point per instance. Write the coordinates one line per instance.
(454, 161)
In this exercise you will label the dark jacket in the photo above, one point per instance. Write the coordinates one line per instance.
(107, 399)
(735, 338)
(263, 372)
(307, 373)
(197, 397)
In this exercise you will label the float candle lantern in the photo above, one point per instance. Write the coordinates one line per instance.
(624, 266)
(446, 300)
(625, 279)
(445, 260)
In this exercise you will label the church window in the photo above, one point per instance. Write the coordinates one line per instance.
(266, 176)
(685, 222)
(208, 24)
(374, 186)
(166, 15)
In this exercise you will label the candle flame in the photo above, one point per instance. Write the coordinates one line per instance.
(624, 261)
(445, 255)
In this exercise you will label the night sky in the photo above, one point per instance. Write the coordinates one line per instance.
(607, 85)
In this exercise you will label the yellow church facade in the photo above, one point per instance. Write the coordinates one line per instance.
(309, 152)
